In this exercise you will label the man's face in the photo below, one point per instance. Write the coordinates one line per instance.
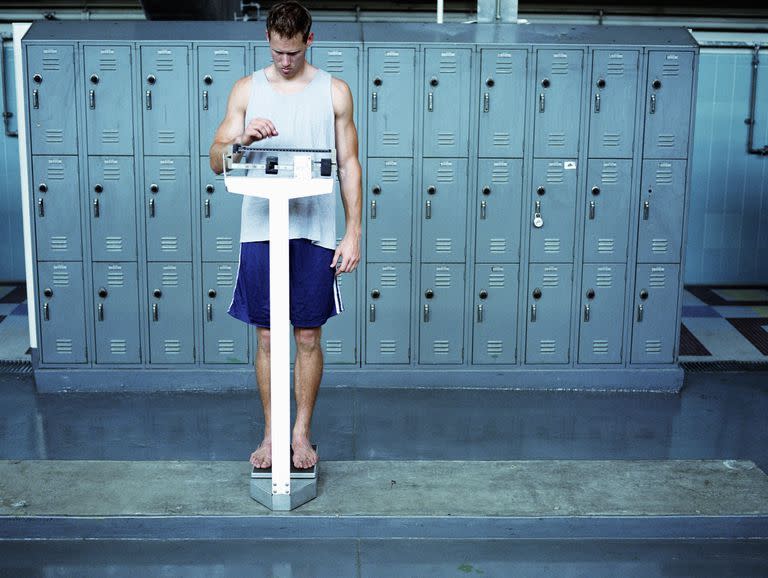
(288, 53)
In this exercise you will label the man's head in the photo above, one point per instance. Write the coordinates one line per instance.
(289, 36)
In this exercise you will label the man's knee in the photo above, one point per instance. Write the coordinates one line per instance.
(307, 339)
(263, 339)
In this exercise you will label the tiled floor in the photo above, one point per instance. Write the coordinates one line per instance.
(719, 324)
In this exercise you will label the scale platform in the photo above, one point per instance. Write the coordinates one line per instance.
(303, 487)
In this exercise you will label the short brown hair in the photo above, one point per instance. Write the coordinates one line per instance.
(287, 19)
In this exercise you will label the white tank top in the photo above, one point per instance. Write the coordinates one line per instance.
(303, 120)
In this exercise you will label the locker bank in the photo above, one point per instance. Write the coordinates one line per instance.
(525, 204)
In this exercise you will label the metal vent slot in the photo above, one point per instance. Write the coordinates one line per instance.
(61, 278)
(615, 69)
(550, 279)
(441, 347)
(547, 347)
(389, 245)
(170, 277)
(169, 244)
(448, 66)
(555, 173)
(498, 245)
(652, 346)
(556, 139)
(387, 346)
(443, 245)
(501, 138)
(54, 135)
(165, 63)
(446, 138)
(64, 346)
(167, 173)
(334, 64)
(664, 175)
(657, 279)
(107, 64)
(226, 346)
(442, 277)
(222, 63)
(51, 62)
(604, 278)
(390, 138)
(115, 278)
(500, 173)
(390, 175)
(497, 280)
(670, 69)
(610, 175)
(660, 245)
(606, 246)
(611, 139)
(665, 140)
(166, 136)
(55, 172)
(552, 245)
(110, 136)
(224, 244)
(391, 64)
(172, 346)
(334, 347)
(559, 67)
(388, 279)
(114, 244)
(445, 174)
(118, 346)
(494, 347)
(599, 347)
(59, 243)
(225, 278)
(111, 172)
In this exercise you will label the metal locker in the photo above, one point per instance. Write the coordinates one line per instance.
(668, 104)
(116, 312)
(339, 333)
(558, 103)
(553, 210)
(112, 208)
(446, 102)
(342, 62)
(218, 68)
(655, 323)
(220, 211)
(502, 102)
(388, 313)
(389, 206)
(171, 323)
(165, 100)
(109, 94)
(225, 339)
(168, 208)
(602, 313)
(549, 314)
(262, 54)
(390, 101)
(61, 300)
(51, 99)
(613, 99)
(441, 315)
(443, 210)
(56, 186)
(606, 221)
(660, 233)
(499, 195)
(495, 314)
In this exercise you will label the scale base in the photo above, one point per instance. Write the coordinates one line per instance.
(303, 488)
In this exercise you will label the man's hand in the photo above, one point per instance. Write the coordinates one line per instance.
(349, 251)
(257, 129)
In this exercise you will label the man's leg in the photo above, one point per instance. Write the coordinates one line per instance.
(262, 457)
(307, 373)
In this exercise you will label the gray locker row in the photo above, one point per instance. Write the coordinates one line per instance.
(499, 88)
(494, 314)
(444, 210)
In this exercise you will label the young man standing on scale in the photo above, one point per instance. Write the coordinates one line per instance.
(292, 104)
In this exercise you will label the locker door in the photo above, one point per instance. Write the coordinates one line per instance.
(553, 206)
(225, 339)
(109, 94)
(57, 218)
(112, 208)
(614, 95)
(558, 103)
(51, 94)
(602, 313)
(220, 212)
(668, 104)
(339, 333)
(549, 314)
(165, 99)
(495, 314)
(441, 319)
(116, 311)
(446, 102)
(499, 194)
(502, 102)
(661, 212)
(655, 314)
(342, 62)
(390, 102)
(443, 210)
(388, 313)
(389, 202)
(171, 324)
(606, 220)
(263, 55)
(218, 68)
(61, 300)
(168, 210)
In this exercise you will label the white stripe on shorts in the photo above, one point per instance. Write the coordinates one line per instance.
(337, 296)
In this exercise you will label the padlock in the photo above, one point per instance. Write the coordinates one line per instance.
(538, 222)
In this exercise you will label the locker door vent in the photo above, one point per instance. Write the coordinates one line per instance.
(118, 346)
(226, 346)
(172, 346)
(64, 346)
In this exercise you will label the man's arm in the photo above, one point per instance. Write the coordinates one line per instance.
(350, 177)
(231, 131)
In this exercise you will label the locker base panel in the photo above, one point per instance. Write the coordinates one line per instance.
(214, 379)
(180, 500)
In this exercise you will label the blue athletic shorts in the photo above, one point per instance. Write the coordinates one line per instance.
(315, 296)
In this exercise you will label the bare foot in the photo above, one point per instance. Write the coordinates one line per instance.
(304, 456)
(262, 457)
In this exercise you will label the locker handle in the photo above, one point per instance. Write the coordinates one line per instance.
(373, 209)
(486, 102)
(155, 312)
(541, 102)
(205, 100)
(95, 208)
(372, 313)
(426, 313)
(41, 207)
(640, 310)
(210, 312)
(46, 312)
(533, 313)
(597, 102)
(653, 104)
(35, 98)
(592, 210)
(431, 102)
(149, 100)
(374, 101)
(646, 210)
(480, 313)
(92, 99)
(151, 207)
(428, 210)
(586, 312)
(483, 207)
(101, 312)
(207, 208)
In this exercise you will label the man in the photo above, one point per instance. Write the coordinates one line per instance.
(292, 104)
